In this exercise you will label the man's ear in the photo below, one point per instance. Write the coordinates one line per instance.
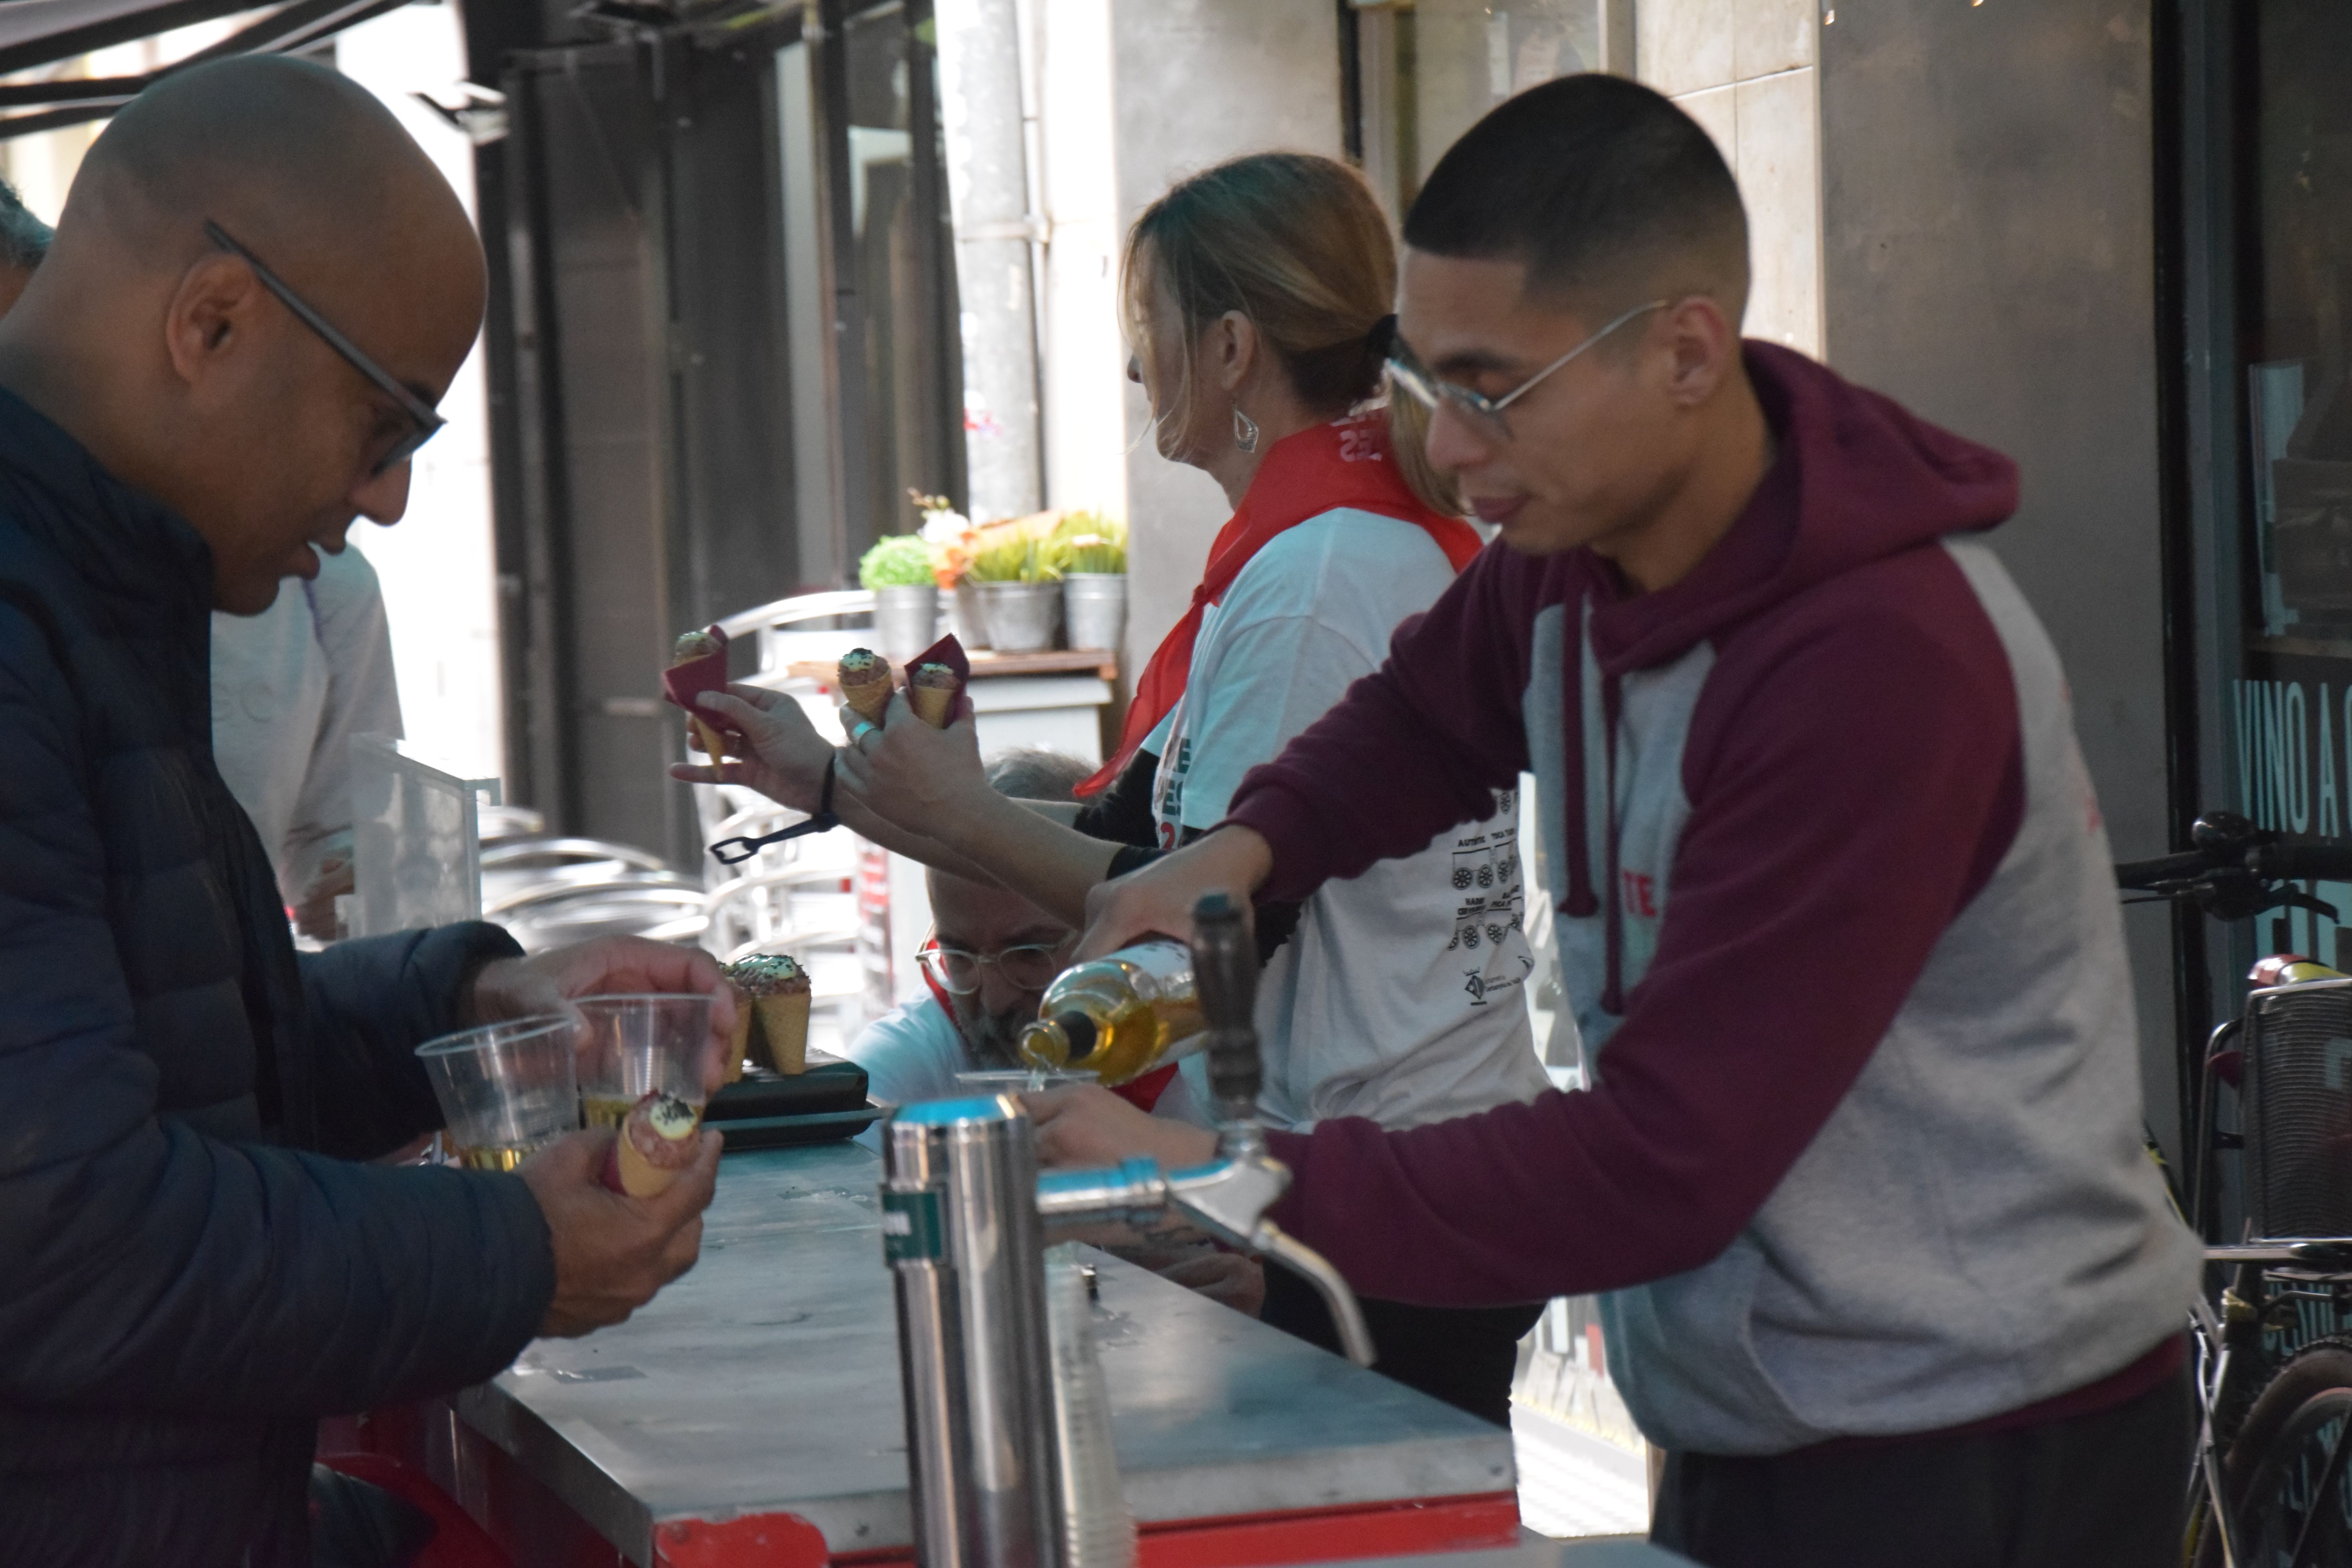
(211, 316)
(1703, 345)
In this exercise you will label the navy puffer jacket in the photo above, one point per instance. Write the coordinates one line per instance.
(187, 1279)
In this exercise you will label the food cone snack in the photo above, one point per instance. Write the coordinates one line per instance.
(864, 678)
(689, 648)
(783, 1025)
(776, 1024)
(931, 693)
(656, 1141)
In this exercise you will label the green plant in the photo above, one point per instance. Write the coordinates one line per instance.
(1010, 559)
(1087, 542)
(897, 561)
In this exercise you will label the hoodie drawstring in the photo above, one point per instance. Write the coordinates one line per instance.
(1583, 902)
(1613, 995)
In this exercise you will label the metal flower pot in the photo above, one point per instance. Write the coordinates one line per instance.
(1021, 616)
(906, 620)
(1093, 609)
(964, 616)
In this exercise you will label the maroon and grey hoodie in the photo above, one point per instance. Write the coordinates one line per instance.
(1860, 1152)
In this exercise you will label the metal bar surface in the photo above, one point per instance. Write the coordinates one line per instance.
(766, 1381)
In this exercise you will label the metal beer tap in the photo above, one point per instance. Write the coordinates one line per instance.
(964, 1214)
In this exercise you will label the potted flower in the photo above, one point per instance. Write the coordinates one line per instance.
(1019, 588)
(898, 570)
(1089, 551)
(952, 539)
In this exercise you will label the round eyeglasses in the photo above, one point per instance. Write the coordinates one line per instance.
(1028, 967)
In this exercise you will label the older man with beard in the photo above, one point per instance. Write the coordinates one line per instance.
(992, 956)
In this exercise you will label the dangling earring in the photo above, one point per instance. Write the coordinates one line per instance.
(1245, 430)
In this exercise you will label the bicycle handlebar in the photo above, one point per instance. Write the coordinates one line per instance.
(2271, 862)
(2142, 876)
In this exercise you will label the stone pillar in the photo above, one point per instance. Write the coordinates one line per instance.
(987, 193)
(1194, 82)
(1744, 70)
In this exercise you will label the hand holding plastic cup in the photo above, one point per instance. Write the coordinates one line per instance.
(506, 1089)
(631, 1047)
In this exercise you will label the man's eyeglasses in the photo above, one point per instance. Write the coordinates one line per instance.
(1483, 414)
(1028, 967)
(424, 422)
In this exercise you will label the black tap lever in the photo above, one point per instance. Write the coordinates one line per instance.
(1224, 973)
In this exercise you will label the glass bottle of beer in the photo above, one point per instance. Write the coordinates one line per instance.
(1121, 1016)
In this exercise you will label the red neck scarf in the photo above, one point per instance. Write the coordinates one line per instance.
(1345, 463)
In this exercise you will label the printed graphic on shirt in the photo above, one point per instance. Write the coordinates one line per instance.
(1641, 907)
(1490, 903)
(1169, 809)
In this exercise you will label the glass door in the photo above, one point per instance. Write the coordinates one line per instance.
(2288, 710)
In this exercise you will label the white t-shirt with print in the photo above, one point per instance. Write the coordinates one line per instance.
(909, 1053)
(1397, 997)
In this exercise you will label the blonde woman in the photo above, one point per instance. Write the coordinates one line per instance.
(1255, 292)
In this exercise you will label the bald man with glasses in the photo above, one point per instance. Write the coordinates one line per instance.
(257, 291)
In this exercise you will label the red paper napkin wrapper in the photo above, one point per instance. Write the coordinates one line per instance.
(946, 651)
(684, 684)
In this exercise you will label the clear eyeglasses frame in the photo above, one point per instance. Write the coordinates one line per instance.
(1030, 966)
(1481, 413)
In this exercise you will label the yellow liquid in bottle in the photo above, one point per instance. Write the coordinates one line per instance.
(1138, 1039)
(490, 1156)
(1142, 1007)
(604, 1110)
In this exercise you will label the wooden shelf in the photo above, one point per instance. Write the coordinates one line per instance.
(986, 663)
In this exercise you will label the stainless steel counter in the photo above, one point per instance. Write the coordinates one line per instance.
(767, 1381)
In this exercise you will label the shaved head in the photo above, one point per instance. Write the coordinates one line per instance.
(184, 375)
(1606, 190)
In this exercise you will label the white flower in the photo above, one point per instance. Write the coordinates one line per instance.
(944, 526)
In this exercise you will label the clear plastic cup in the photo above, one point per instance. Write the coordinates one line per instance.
(631, 1047)
(1019, 1080)
(506, 1089)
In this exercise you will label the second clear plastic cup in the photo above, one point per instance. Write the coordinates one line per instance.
(505, 1089)
(631, 1047)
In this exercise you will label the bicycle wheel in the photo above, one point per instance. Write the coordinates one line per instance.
(2288, 1472)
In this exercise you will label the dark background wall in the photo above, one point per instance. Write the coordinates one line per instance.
(636, 343)
(1989, 257)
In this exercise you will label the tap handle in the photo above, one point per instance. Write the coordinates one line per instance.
(1224, 970)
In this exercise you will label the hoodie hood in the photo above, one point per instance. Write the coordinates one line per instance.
(1858, 479)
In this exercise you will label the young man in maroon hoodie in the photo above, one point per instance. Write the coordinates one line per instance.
(1858, 1168)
